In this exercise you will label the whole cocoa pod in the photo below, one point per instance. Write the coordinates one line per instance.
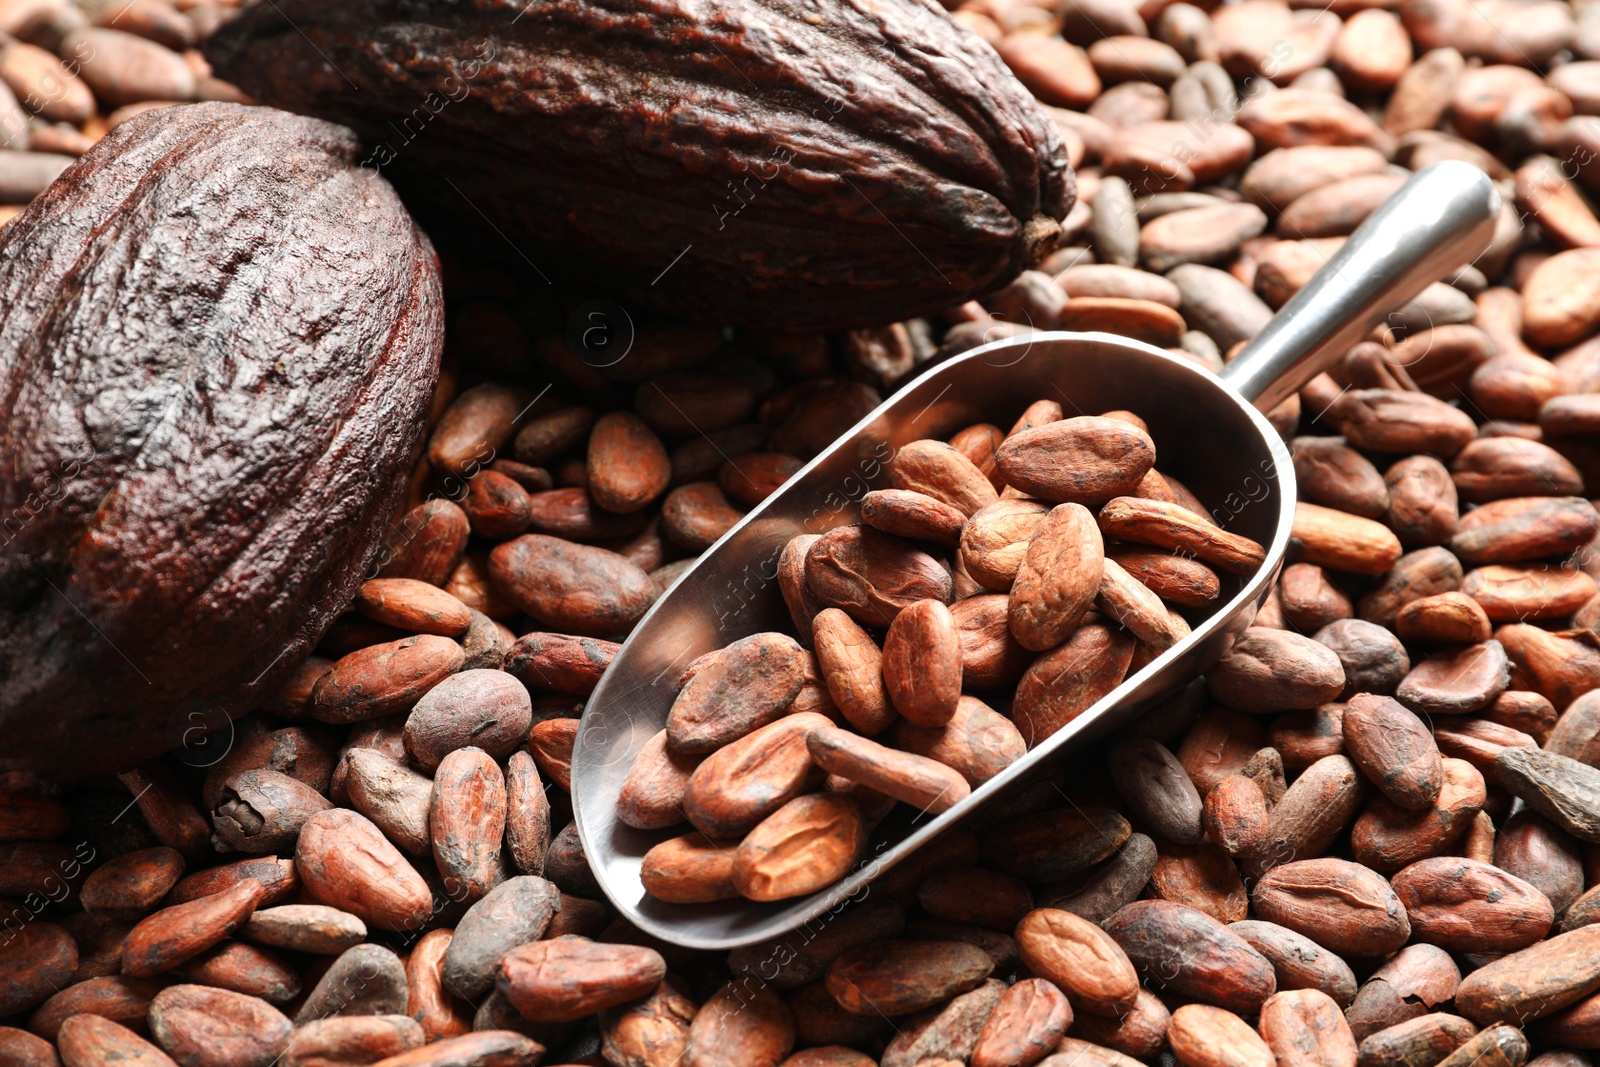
(218, 342)
(800, 194)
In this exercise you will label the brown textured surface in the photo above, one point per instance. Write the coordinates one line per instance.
(888, 163)
(223, 430)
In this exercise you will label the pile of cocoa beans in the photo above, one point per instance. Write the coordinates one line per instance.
(1370, 837)
(70, 72)
(1042, 602)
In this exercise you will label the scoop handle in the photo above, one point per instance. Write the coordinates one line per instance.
(1440, 220)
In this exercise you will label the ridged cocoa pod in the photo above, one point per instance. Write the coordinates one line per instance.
(153, 400)
(978, 204)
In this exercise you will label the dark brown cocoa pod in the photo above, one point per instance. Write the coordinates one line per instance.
(563, 151)
(212, 621)
(1189, 953)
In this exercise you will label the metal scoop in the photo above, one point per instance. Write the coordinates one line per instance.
(1208, 431)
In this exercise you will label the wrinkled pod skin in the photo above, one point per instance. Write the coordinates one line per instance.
(817, 194)
(218, 341)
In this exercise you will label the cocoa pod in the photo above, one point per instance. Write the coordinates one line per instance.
(1025, 194)
(348, 458)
